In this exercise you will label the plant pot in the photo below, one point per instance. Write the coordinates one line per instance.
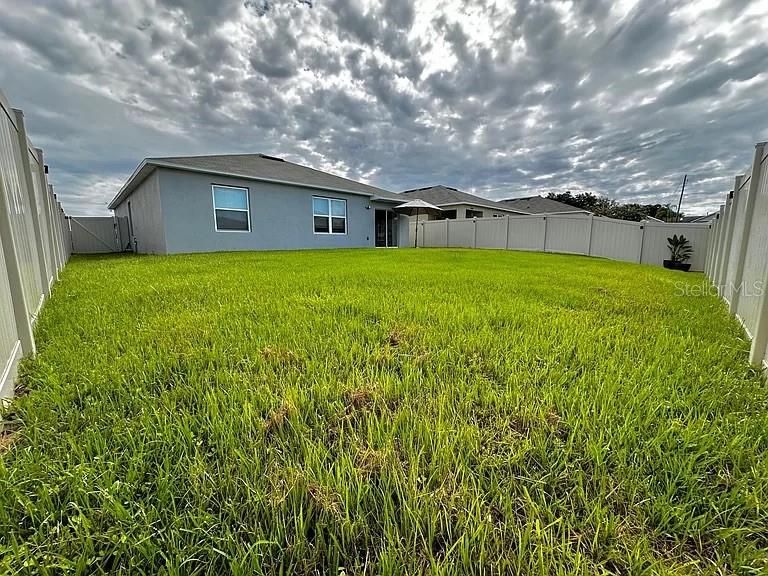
(675, 265)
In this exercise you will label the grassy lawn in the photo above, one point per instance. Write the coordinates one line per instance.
(385, 412)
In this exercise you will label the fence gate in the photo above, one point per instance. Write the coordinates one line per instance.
(94, 235)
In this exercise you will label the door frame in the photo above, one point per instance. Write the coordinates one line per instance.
(388, 220)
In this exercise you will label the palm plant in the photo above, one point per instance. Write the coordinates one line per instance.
(680, 248)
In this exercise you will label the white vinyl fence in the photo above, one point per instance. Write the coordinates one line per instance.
(94, 234)
(642, 242)
(738, 254)
(34, 241)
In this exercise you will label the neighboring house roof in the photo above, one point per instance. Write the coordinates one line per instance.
(252, 167)
(541, 205)
(443, 196)
(705, 218)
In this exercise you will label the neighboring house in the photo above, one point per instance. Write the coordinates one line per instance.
(541, 205)
(458, 204)
(700, 219)
(251, 202)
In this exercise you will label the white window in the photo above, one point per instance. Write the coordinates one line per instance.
(329, 215)
(230, 209)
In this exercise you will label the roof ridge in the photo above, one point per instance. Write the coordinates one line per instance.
(267, 157)
(260, 154)
(428, 188)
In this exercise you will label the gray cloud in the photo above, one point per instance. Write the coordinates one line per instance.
(499, 98)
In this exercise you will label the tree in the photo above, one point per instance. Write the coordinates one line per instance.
(601, 206)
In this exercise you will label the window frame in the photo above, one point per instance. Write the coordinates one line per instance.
(330, 216)
(247, 209)
(475, 213)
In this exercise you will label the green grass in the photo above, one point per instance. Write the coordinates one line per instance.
(385, 412)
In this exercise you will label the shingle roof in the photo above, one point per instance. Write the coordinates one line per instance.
(445, 195)
(252, 166)
(540, 205)
(702, 218)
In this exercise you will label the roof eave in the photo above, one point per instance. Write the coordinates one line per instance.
(560, 212)
(130, 185)
(384, 199)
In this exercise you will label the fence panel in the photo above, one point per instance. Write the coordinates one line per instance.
(11, 171)
(10, 345)
(731, 265)
(756, 258)
(492, 233)
(432, 233)
(30, 241)
(42, 214)
(725, 248)
(94, 234)
(655, 249)
(644, 242)
(568, 234)
(616, 239)
(461, 234)
(738, 255)
(526, 232)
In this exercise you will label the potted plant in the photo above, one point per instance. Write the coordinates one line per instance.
(680, 252)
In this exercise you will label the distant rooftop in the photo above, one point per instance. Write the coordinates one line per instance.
(540, 205)
(446, 196)
(701, 218)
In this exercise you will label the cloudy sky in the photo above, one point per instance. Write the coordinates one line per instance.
(503, 99)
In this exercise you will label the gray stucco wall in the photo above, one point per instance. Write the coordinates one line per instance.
(147, 216)
(281, 216)
(461, 210)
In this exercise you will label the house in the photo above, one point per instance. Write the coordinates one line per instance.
(541, 205)
(458, 204)
(711, 217)
(251, 202)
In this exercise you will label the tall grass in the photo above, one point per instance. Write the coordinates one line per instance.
(384, 412)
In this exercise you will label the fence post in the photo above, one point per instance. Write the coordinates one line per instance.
(719, 240)
(474, 232)
(728, 238)
(33, 201)
(20, 307)
(718, 230)
(723, 236)
(591, 226)
(56, 228)
(642, 241)
(711, 248)
(53, 272)
(544, 247)
(506, 237)
(447, 226)
(67, 235)
(63, 245)
(749, 209)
